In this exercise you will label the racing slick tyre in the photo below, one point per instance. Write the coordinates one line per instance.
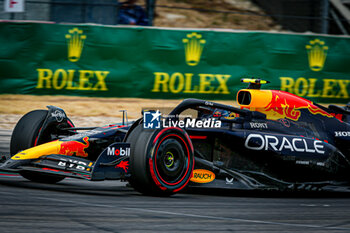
(161, 161)
(25, 135)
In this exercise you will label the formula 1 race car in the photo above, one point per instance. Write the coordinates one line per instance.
(274, 141)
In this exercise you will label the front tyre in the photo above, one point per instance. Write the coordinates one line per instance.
(25, 135)
(161, 161)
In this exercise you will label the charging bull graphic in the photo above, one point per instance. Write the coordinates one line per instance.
(75, 148)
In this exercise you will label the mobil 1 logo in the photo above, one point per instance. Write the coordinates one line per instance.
(113, 156)
(118, 150)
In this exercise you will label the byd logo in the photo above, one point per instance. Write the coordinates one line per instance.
(118, 151)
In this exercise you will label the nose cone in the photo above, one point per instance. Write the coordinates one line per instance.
(38, 151)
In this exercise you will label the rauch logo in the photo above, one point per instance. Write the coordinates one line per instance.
(202, 176)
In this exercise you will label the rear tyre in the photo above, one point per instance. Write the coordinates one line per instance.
(25, 135)
(161, 161)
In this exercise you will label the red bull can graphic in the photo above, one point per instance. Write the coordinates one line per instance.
(286, 105)
(75, 148)
(278, 104)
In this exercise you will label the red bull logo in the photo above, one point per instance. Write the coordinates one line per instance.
(75, 148)
(231, 116)
(286, 105)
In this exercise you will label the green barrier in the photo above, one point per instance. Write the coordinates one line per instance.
(89, 60)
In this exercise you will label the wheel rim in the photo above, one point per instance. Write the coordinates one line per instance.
(171, 161)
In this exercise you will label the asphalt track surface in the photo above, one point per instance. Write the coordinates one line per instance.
(109, 206)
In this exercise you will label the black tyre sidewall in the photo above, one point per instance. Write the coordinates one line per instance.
(27, 130)
(139, 174)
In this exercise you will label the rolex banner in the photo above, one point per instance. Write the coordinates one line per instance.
(109, 61)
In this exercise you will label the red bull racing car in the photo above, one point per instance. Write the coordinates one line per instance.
(274, 141)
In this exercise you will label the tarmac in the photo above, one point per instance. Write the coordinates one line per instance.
(74, 205)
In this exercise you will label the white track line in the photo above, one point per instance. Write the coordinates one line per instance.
(74, 202)
(192, 215)
(236, 219)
